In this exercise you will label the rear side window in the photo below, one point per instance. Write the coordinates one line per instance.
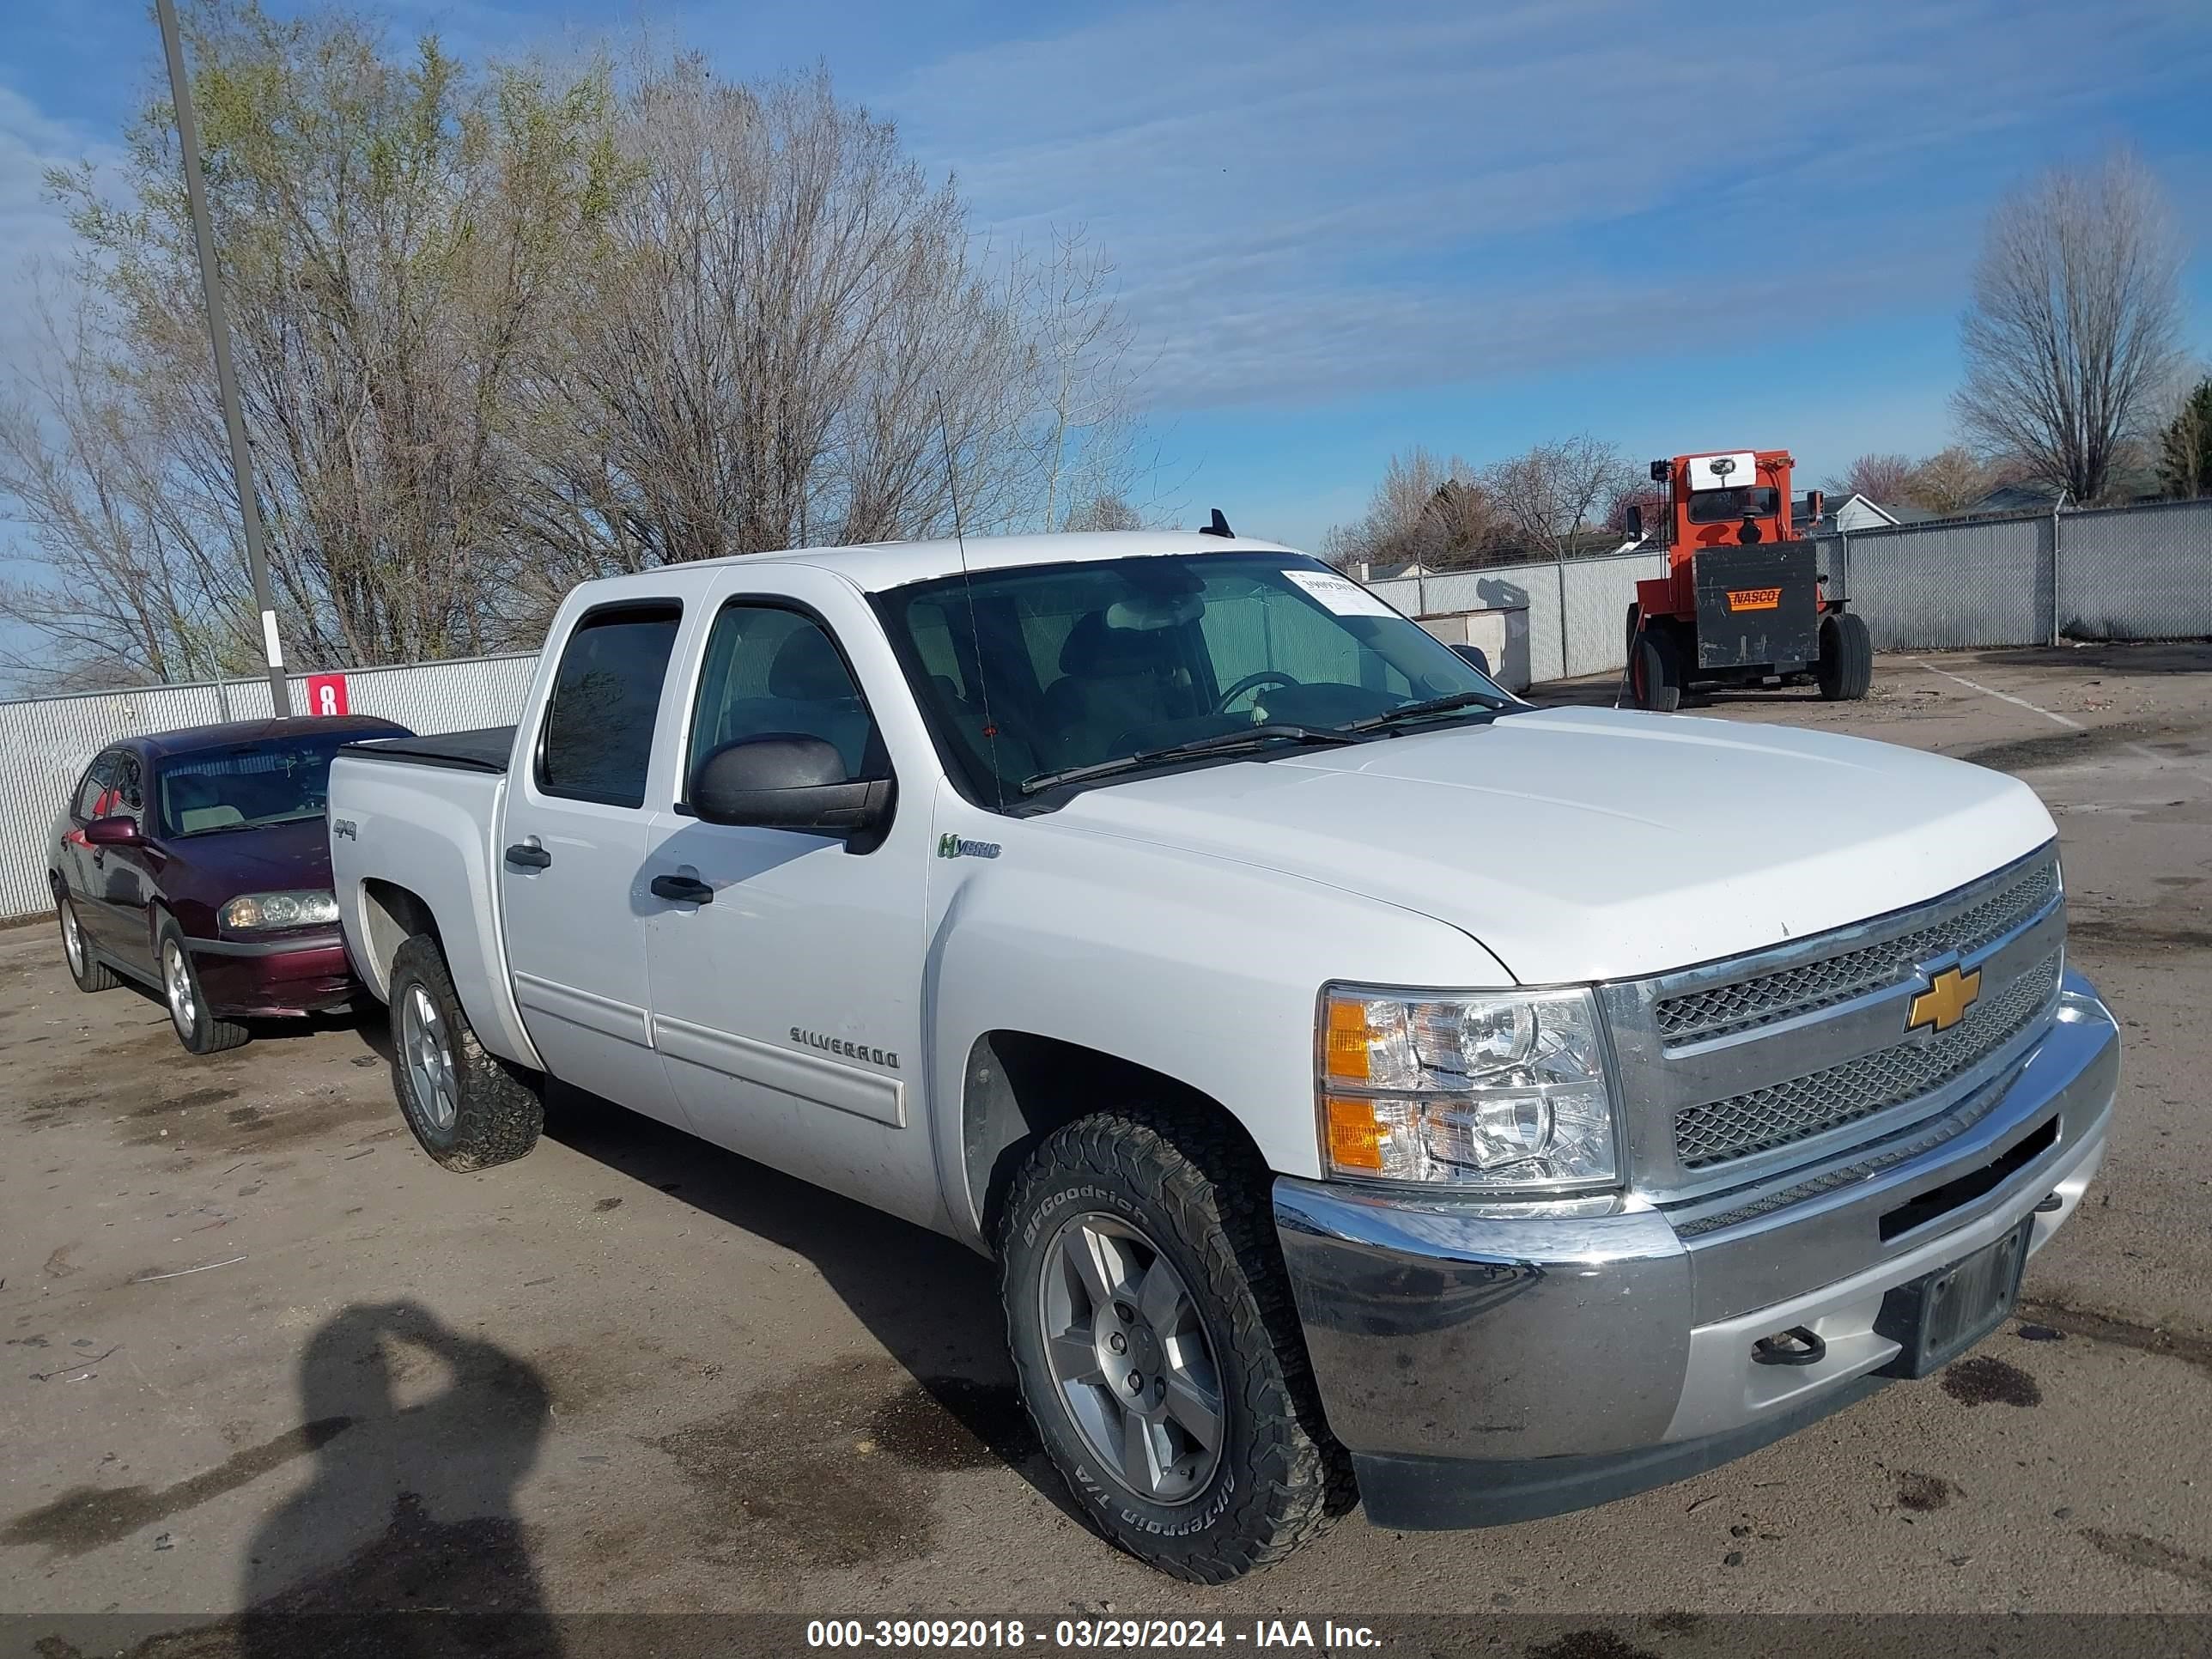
(597, 739)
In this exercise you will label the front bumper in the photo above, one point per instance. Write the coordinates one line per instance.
(1494, 1362)
(295, 974)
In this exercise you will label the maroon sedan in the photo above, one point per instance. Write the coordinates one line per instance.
(198, 863)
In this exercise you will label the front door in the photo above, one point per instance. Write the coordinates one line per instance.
(787, 1007)
(572, 853)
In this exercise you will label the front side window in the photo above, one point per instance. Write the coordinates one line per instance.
(770, 670)
(1033, 672)
(96, 796)
(1728, 506)
(598, 737)
(244, 786)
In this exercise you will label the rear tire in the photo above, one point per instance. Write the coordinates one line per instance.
(200, 1031)
(1655, 670)
(468, 1108)
(1145, 1241)
(89, 972)
(1845, 671)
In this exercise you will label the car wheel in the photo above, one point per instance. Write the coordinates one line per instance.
(199, 1031)
(1845, 671)
(1654, 670)
(1158, 1354)
(469, 1108)
(89, 972)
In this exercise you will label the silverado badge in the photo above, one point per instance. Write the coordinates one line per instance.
(1945, 1002)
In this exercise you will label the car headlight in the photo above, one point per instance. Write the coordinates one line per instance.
(1497, 1092)
(252, 913)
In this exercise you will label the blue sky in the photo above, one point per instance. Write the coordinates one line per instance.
(1344, 230)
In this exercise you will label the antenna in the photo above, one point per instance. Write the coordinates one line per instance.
(968, 585)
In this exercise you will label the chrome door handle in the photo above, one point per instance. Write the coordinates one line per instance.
(683, 889)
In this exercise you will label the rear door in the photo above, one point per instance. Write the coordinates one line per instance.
(787, 1008)
(572, 853)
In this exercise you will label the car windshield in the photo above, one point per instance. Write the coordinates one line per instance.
(244, 786)
(1727, 505)
(1036, 671)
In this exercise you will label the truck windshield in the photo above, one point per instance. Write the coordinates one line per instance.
(1727, 505)
(247, 785)
(1039, 670)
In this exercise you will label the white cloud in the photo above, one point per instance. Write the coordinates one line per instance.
(1382, 196)
(36, 243)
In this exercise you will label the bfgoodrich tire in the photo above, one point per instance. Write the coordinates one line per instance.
(1845, 670)
(469, 1108)
(1157, 1346)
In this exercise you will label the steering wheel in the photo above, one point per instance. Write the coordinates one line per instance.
(1252, 682)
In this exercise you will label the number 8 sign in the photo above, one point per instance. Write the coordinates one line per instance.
(326, 693)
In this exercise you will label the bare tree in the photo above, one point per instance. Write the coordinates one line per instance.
(1426, 510)
(1104, 512)
(1556, 490)
(1879, 477)
(2071, 327)
(1089, 435)
(1948, 482)
(390, 230)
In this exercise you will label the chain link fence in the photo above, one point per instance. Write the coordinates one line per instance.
(2132, 573)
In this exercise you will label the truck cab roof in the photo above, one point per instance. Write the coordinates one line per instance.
(874, 567)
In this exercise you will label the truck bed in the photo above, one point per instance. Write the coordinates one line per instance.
(484, 749)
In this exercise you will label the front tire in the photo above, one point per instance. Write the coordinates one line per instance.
(89, 972)
(199, 1029)
(1845, 671)
(1158, 1353)
(1655, 670)
(468, 1108)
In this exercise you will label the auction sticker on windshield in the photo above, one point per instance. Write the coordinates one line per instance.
(1340, 594)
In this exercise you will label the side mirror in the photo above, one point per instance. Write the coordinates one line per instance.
(781, 781)
(1816, 506)
(1476, 658)
(1632, 521)
(116, 831)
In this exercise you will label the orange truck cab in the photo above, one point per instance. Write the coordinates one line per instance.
(1743, 602)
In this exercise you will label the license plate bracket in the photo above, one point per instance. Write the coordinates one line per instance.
(1938, 1316)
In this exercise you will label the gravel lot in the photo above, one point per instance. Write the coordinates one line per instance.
(260, 1352)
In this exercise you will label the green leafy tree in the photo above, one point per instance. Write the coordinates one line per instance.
(2185, 461)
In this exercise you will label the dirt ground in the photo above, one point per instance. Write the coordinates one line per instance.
(260, 1353)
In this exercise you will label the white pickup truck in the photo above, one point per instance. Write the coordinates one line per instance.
(1367, 1083)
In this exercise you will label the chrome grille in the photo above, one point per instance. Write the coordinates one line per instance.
(1715, 1132)
(1722, 1010)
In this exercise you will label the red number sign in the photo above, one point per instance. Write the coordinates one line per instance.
(326, 693)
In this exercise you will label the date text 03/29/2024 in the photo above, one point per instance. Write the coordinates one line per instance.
(1087, 1634)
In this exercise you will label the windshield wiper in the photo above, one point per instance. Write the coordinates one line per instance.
(1221, 742)
(1413, 711)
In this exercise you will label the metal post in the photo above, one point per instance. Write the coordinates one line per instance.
(1560, 567)
(242, 461)
(2055, 506)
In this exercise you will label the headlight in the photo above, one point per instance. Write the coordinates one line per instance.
(1494, 1092)
(254, 912)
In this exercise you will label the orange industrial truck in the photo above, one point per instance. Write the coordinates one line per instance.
(1742, 603)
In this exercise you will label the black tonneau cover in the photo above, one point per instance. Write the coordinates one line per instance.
(484, 749)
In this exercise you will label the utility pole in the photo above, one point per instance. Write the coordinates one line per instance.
(242, 461)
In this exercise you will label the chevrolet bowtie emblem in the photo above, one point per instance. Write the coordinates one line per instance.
(1945, 1002)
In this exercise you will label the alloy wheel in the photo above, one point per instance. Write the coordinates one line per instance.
(428, 1060)
(177, 981)
(72, 939)
(1131, 1358)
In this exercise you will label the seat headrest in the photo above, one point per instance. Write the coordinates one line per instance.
(1093, 650)
(807, 669)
